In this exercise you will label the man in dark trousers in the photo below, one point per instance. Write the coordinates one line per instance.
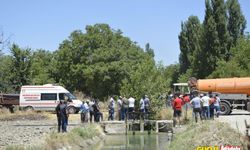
(177, 105)
(62, 116)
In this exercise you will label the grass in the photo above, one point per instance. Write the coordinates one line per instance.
(208, 133)
(6, 115)
(75, 138)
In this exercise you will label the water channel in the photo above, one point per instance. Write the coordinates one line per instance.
(134, 142)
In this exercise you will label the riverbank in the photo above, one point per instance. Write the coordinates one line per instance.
(208, 133)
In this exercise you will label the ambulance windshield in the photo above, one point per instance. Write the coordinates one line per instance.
(71, 96)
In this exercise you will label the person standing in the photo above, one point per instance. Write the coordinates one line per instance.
(91, 110)
(186, 100)
(205, 106)
(131, 107)
(147, 105)
(217, 105)
(111, 108)
(84, 112)
(125, 107)
(177, 105)
(196, 103)
(62, 115)
(119, 108)
(97, 113)
(211, 105)
(142, 107)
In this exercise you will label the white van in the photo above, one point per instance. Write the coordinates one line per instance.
(46, 97)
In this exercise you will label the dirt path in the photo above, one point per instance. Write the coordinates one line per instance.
(237, 120)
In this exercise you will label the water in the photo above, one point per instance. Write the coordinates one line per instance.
(134, 142)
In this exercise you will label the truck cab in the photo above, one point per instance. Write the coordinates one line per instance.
(46, 97)
(181, 88)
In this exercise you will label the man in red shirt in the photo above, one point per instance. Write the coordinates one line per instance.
(177, 104)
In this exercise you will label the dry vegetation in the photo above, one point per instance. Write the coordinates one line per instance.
(5, 115)
(208, 133)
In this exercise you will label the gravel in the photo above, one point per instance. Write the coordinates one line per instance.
(27, 132)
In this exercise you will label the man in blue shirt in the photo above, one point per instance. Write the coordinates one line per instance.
(196, 103)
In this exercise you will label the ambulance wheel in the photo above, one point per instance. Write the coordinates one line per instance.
(29, 108)
(71, 110)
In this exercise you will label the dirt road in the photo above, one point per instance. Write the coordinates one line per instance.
(237, 120)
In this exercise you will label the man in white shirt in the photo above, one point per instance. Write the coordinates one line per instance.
(205, 106)
(111, 108)
(131, 106)
(142, 106)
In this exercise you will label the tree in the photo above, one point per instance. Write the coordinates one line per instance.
(238, 66)
(190, 43)
(236, 21)
(5, 74)
(20, 67)
(211, 43)
(149, 50)
(220, 18)
(97, 61)
(41, 66)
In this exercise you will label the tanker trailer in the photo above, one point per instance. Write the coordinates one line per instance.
(233, 92)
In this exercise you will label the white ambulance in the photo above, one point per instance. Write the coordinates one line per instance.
(46, 97)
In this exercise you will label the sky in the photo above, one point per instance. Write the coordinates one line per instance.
(45, 24)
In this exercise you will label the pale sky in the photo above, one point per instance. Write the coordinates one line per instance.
(46, 23)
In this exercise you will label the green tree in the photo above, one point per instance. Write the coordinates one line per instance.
(190, 43)
(210, 54)
(41, 66)
(171, 74)
(5, 73)
(149, 50)
(220, 18)
(20, 67)
(236, 21)
(97, 61)
(238, 66)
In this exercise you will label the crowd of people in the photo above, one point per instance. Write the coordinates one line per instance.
(90, 110)
(205, 105)
(126, 107)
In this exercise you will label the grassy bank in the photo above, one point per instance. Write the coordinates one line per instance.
(77, 138)
(6, 115)
(208, 133)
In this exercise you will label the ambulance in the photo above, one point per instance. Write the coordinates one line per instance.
(46, 97)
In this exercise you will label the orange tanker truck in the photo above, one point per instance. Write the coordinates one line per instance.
(233, 92)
